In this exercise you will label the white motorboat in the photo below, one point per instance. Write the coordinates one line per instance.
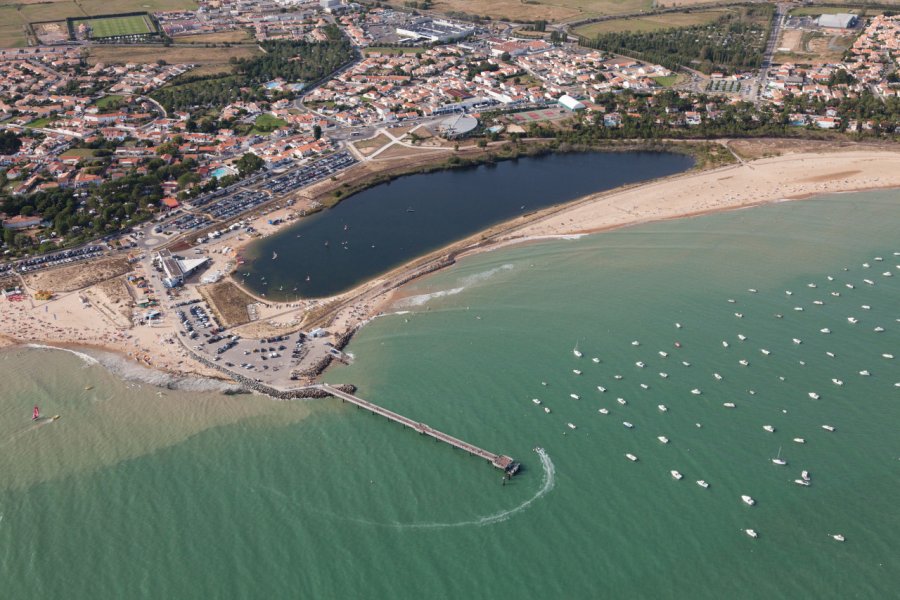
(631, 457)
(797, 308)
(575, 396)
(825, 330)
(696, 392)
(676, 475)
(813, 395)
(724, 344)
(765, 352)
(702, 483)
(829, 354)
(864, 373)
(635, 343)
(595, 359)
(748, 500)
(698, 425)
(576, 371)
(639, 365)
(879, 258)
(804, 475)
(769, 428)
(800, 440)
(836, 294)
(627, 424)
(547, 409)
(663, 439)
(865, 265)
(677, 325)
(536, 400)
(664, 375)
(717, 376)
(685, 363)
(812, 285)
(798, 341)
(789, 292)
(878, 329)
(577, 352)
(744, 362)
(836, 381)
(828, 427)
(852, 320)
(888, 356)
(837, 536)
(621, 401)
(728, 404)
(544, 383)
(600, 388)
(865, 307)
(869, 281)
(645, 386)
(571, 425)
(742, 337)
(663, 407)
(663, 353)
(739, 315)
(830, 278)
(617, 377)
(603, 411)
(850, 286)
(801, 482)
(752, 533)
(752, 290)
(731, 301)
(818, 302)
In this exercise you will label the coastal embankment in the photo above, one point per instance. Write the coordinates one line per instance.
(67, 319)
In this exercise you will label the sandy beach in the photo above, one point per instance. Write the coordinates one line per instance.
(83, 318)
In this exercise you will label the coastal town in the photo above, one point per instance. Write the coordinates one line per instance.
(157, 177)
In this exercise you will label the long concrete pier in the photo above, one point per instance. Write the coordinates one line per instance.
(502, 462)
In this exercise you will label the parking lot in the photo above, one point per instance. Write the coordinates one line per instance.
(56, 259)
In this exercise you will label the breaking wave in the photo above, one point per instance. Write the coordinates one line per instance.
(128, 370)
(465, 283)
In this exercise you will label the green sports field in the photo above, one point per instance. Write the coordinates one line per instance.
(116, 26)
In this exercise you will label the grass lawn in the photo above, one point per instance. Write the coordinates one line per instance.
(815, 11)
(550, 10)
(42, 122)
(666, 81)
(116, 26)
(14, 16)
(107, 101)
(266, 123)
(173, 55)
(395, 51)
(650, 23)
(79, 152)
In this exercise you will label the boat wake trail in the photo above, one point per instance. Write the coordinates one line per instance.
(547, 484)
(465, 282)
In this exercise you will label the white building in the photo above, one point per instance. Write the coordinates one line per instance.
(838, 21)
(570, 103)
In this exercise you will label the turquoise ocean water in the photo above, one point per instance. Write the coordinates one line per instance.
(141, 492)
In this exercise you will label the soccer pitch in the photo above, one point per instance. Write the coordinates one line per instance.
(105, 27)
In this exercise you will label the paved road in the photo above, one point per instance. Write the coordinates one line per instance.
(778, 19)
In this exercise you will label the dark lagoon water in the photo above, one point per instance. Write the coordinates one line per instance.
(392, 223)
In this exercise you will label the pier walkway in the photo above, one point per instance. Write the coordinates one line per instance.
(502, 462)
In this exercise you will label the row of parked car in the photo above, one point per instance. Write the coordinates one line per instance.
(311, 173)
(59, 258)
(235, 204)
